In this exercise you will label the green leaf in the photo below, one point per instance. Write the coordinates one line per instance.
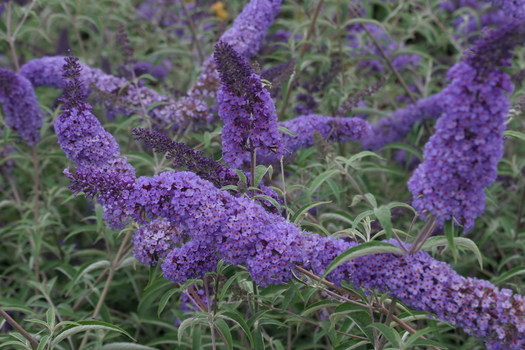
(466, 243)
(222, 326)
(320, 179)
(258, 340)
(242, 176)
(126, 346)
(449, 233)
(43, 342)
(151, 294)
(516, 271)
(164, 300)
(351, 162)
(403, 146)
(417, 335)
(230, 188)
(363, 249)
(322, 304)
(393, 337)
(85, 326)
(260, 171)
(234, 316)
(50, 318)
(515, 134)
(269, 199)
(340, 216)
(286, 131)
(384, 216)
(298, 215)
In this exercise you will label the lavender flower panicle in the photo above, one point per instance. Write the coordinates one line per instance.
(423, 283)
(461, 157)
(241, 232)
(512, 8)
(101, 170)
(21, 109)
(247, 33)
(246, 107)
(184, 156)
(111, 182)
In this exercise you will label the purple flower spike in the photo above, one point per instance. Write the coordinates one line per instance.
(112, 182)
(461, 157)
(512, 8)
(249, 28)
(247, 109)
(20, 105)
(424, 283)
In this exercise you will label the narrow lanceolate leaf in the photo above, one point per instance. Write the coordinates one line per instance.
(84, 326)
(222, 326)
(363, 249)
(320, 179)
(384, 216)
(393, 337)
(126, 346)
(286, 131)
(466, 243)
(298, 215)
(515, 134)
(509, 274)
(239, 319)
(260, 171)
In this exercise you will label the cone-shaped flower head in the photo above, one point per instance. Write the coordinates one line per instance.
(20, 105)
(246, 107)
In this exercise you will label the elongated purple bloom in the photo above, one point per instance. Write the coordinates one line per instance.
(20, 106)
(101, 169)
(424, 283)
(461, 157)
(239, 231)
(512, 8)
(247, 33)
(246, 107)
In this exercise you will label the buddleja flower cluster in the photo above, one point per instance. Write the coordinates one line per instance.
(100, 168)
(190, 224)
(20, 106)
(461, 157)
(246, 107)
